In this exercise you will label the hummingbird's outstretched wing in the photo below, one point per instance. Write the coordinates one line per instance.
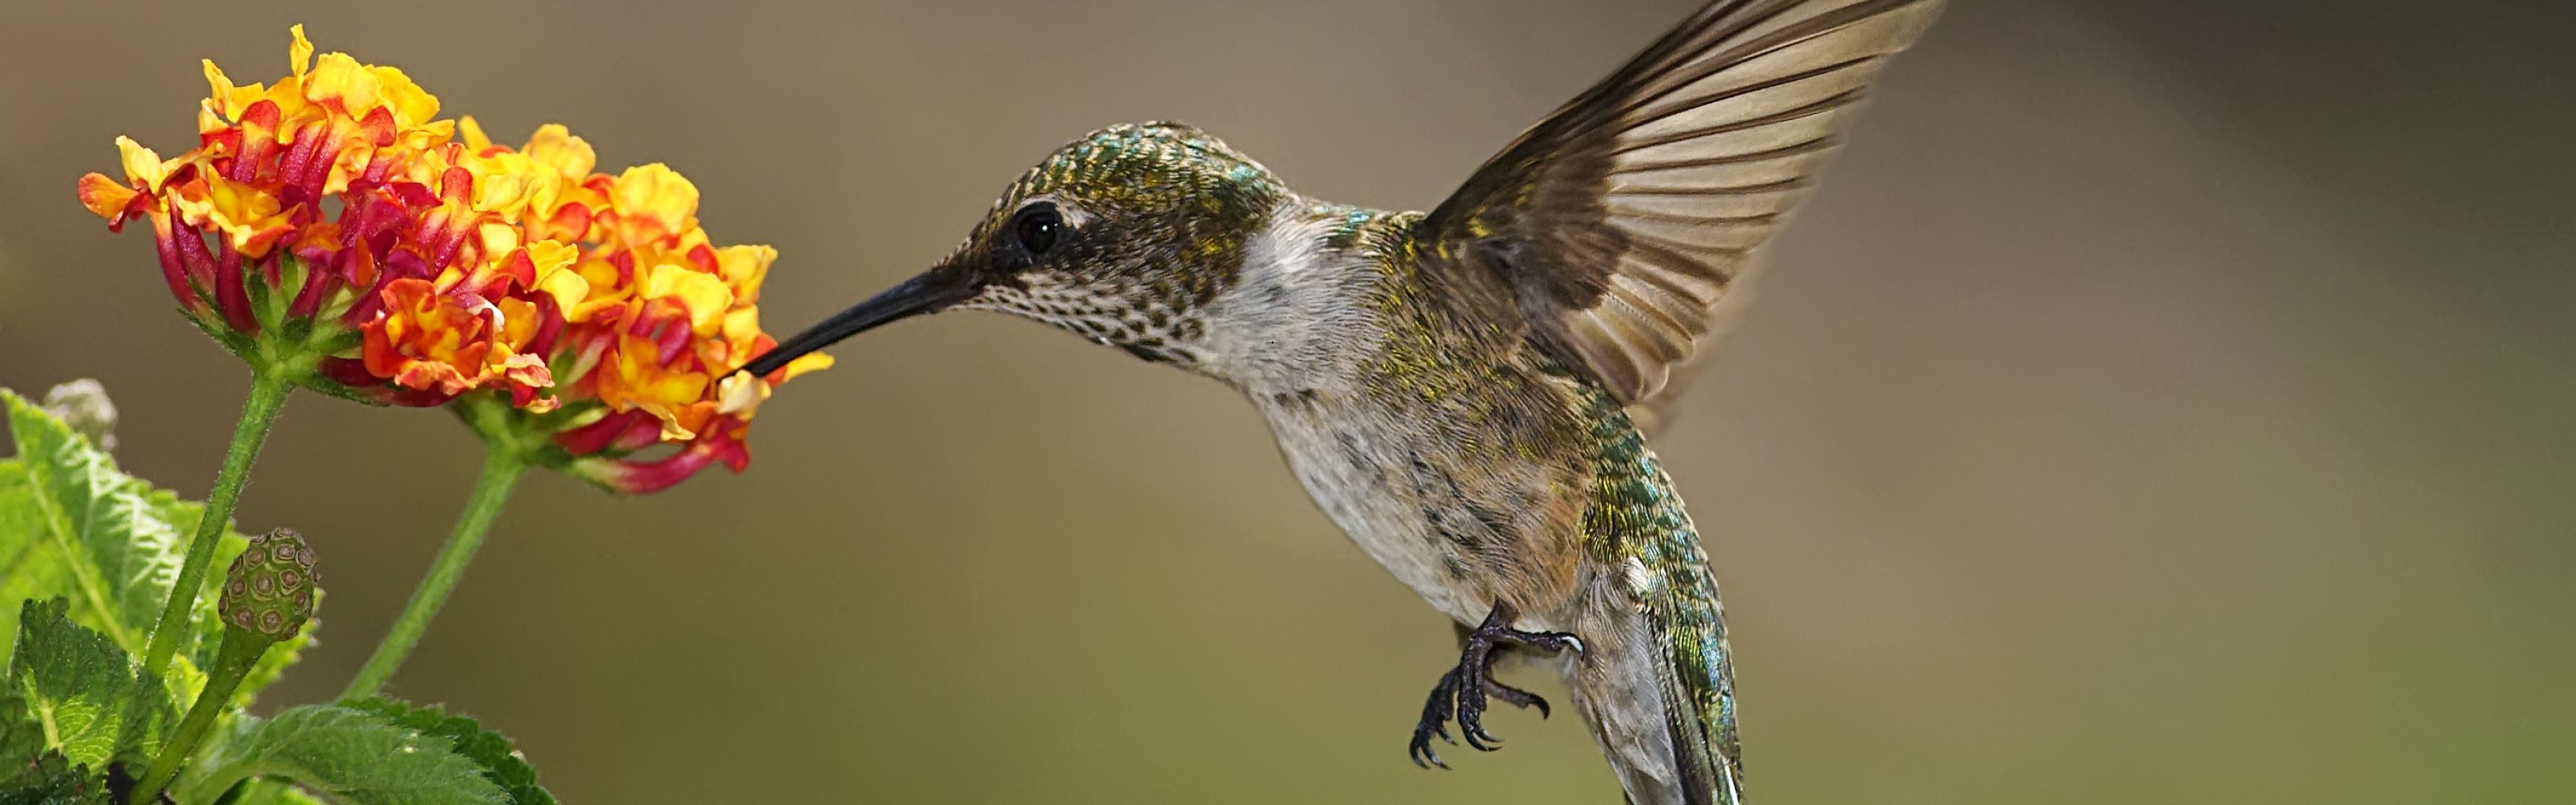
(1619, 221)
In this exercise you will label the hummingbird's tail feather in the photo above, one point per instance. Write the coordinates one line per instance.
(1657, 681)
(1655, 687)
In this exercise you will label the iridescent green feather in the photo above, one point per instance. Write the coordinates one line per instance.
(1636, 522)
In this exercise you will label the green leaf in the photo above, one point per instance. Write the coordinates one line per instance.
(346, 755)
(50, 779)
(499, 758)
(32, 773)
(71, 525)
(272, 792)
(29, 568)
(82, 691)
(83, 529)
(22, 739)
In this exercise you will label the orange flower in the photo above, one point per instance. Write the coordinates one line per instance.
(454, 268)
(454, 343)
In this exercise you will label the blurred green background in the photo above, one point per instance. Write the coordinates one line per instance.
(2164, 401)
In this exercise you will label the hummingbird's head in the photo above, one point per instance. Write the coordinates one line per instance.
(1120, 237)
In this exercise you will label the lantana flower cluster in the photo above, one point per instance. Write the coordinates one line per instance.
(330, 226)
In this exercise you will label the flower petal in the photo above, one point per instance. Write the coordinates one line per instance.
(555, 147)
(104, 196)
(740, 393)
(476, 141)
(656, 202)
(342, 81)
(300, 54)
(142, 167)
(705, 296)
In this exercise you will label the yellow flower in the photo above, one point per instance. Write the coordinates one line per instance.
(635, 379)
(653, 203)
(743, 268)
(704, 296)
(251, 220)
(555, 147)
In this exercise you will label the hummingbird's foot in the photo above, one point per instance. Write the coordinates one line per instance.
(1462, 692)
(1435, 721)
(1443, 706)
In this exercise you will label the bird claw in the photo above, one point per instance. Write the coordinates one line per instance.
(1517, 697)
(1422, 754)
(1463, 691)
(1435, 721)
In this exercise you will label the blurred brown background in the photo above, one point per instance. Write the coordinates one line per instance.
(2164, 401)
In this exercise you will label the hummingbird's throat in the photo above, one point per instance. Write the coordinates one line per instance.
(1145, 326)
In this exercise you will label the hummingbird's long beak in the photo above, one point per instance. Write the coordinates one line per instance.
(930, 292)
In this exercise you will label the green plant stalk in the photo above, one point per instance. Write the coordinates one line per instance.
(268, 391)
(241, 649)
(502, 466)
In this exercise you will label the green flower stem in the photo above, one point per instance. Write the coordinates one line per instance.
(268, 392)
(502, 467)
(241, 650)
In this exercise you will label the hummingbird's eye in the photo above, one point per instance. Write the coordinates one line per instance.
(1037, 228)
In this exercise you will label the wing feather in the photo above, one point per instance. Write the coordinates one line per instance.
(1621, 220)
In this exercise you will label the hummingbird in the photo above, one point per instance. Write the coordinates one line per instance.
(1461, 391)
